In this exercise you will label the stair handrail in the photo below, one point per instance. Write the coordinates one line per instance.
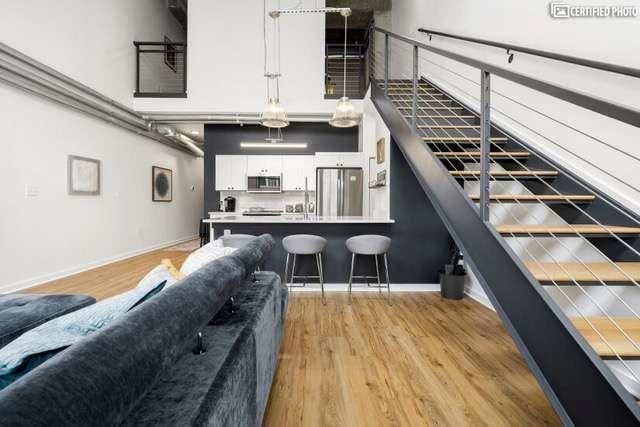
(517, 296)
(614, 110)
(598, 65)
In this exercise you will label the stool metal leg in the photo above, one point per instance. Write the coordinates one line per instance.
(321, 276)
(378, 274)
(286, 271)
(386, 271)
(293, 270)
(353, 260)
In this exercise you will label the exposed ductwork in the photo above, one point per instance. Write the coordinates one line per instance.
(23, 72)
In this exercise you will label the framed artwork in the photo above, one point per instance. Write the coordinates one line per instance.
(83, 176)
(162, 184)
(170, 54)
(380, 151)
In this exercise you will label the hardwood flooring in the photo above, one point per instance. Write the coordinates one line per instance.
(111, 279)
(422, 361)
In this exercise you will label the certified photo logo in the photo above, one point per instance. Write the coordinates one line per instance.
(559, 10)
(565, 10)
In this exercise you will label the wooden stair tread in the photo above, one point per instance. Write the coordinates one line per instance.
(565, 229)
(539, 197)
(507, 173)
(611, 334)
(593, 272)
(462, 138)
(434, 126)
(422, 116)
(476, 154)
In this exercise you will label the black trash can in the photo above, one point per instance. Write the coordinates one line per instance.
(452, 284)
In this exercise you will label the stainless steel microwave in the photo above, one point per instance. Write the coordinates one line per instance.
(264, 184)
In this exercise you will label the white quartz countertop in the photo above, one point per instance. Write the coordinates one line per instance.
(223, 217)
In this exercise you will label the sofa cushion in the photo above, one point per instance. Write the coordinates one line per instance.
(229, 384)
(100, 380)
(22, 312)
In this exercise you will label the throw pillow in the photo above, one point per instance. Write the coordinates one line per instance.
(202, 256)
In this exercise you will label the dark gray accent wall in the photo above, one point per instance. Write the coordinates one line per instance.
(225, 139)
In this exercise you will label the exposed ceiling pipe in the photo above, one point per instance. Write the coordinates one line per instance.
(22, 72)
(171, 132)
(228, 118)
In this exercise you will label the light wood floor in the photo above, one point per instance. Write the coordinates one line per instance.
(111, 279)
(423, 361)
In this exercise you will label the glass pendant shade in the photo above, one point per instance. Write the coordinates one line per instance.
(345, 115)
(274, 115)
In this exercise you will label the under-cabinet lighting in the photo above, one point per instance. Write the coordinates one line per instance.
(273, 145)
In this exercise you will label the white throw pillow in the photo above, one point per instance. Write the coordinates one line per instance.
(156, 276)
(202, 256)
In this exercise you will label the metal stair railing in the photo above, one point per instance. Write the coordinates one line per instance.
(551, 345)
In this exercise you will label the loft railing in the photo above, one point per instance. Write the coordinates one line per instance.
(161, 69)
(581, 387)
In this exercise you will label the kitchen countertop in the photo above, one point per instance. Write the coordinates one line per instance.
(224, 217)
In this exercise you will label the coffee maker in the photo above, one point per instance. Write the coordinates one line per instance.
(228, 204)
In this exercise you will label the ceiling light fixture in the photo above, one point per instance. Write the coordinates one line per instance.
(345, 115)
(273, 145)
(274, 115)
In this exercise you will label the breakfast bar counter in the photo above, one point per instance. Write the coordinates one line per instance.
(336, 257)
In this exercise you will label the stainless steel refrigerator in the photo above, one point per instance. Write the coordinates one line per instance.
(339, 192)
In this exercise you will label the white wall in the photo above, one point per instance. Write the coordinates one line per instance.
(90, 41)
(55, 234)
(226, 59)
(529, 24)
(376, 200)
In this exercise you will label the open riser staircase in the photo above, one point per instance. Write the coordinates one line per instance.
(335, 76)
(579, 250)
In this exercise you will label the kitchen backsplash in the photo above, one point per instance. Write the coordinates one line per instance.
(275, 201)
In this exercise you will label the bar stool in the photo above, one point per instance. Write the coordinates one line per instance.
(236, 240)
(304, 244)
(370, 244)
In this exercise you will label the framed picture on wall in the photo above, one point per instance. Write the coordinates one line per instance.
(83, 176)
(162, 184)
(170, 54)
(380, 151)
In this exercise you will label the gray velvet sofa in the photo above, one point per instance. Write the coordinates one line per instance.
(142, 369)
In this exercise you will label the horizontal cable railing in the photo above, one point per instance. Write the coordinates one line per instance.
(161, 69)
(516, 187)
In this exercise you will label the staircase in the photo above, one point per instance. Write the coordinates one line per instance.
(558, 259)
(335, 76)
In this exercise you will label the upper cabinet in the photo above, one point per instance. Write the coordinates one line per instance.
(264, 165)
(231, 173)
(294, 171)
(343, 160)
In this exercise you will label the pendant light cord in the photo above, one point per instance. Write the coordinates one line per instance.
(344, 75)
(264, 38)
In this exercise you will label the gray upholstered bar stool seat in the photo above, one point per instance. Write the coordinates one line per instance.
(304, 244)
(236, 240)
(372, 245)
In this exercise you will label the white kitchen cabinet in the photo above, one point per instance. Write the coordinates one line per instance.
(346, 160)
(264, 165)
(294, 171)
(231, 173)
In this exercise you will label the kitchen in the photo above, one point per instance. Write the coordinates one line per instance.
(316, 181)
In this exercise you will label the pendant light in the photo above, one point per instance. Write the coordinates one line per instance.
(274, 115)
(345, 115)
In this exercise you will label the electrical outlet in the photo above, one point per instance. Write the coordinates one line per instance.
(31, 191)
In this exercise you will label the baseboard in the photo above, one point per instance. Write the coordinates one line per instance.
(479, 297)
(16, 286)
(343, 287)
